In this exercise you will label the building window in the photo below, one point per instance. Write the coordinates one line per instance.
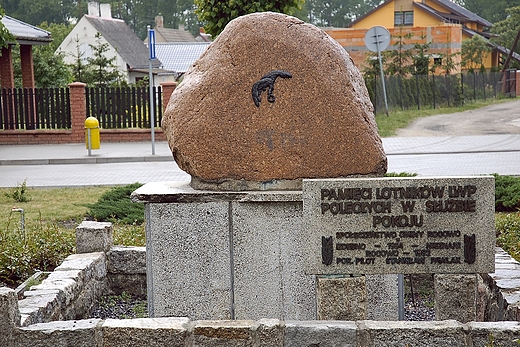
(403, 18)
(437, 61)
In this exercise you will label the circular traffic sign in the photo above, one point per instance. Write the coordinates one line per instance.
(377, 38)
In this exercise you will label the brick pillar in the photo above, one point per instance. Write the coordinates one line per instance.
(6, 68)
(78, 111)
(26, 58)
(167, 90)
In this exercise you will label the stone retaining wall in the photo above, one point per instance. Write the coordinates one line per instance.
(51, 313)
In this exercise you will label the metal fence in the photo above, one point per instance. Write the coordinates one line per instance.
(34, 108)
(126, 107)
(418, 92)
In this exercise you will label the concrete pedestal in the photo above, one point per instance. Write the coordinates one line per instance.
(227, 255)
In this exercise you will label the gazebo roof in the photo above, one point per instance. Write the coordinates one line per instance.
(26, 34)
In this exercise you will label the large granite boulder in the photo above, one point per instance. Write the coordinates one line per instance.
(226, 127)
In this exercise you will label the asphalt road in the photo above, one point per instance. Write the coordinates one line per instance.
(474, 142)
(500, 118)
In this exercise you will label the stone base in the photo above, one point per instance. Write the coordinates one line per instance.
(232, 255)
(455, 297)
(341, 298)
(243, 185)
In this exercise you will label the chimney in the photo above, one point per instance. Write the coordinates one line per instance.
(93, 9)
(159, 21)
(181, 27)
(105, 10)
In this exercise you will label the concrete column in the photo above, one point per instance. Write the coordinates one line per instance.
(93, 237)
(455, 297)
(9, 316)
(167, 90)
(6, 68)
(78, 111)
(341, 298)
(26, 58)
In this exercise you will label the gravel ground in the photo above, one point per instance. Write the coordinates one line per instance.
(126, 306)
(123, 306)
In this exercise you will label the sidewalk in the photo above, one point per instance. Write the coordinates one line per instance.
(124, 163)
(78, 154)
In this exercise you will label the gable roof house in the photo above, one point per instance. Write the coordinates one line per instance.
(132, 56)
(442, 23)
(177, 49)
(26, 36)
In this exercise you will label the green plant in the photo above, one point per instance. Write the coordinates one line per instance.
(41, 247)
(507, 227)
(507, 193)
(19, 193)
(217, 14)
(115, 206)
(400, 174)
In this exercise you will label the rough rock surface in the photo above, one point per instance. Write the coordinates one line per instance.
(321, 124)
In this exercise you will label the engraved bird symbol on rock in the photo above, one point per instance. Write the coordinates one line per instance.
(267, 82)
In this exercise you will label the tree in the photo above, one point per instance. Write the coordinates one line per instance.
(36, 12)
(398, 60)
(473, 52)
(5, 35)
(421, 57)
(216, 14)
(507, 29)
(102, 71)
(336, 13)
(493, 11)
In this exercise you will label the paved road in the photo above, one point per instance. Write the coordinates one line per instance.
(500, 118)
(125, 163)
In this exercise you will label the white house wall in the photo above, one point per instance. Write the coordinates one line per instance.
(85, 33)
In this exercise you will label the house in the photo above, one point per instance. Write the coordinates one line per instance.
(442, 23)
(177, 49)
(26, 36)
(132, 56)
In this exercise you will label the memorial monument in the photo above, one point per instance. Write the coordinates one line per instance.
(272, 103)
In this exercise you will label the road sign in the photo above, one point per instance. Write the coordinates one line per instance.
(377, 38)
(151, 43)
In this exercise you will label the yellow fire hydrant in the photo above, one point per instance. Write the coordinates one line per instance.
(92, 138)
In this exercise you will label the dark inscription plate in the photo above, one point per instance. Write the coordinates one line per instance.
(398, 225)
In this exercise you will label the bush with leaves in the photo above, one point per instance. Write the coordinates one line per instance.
(23, 251)
(116, 206)
(507, 193)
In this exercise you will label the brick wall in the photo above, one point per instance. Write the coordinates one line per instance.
(77, 132)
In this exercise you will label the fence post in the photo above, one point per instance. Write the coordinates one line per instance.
(167, 90)
(78, 112)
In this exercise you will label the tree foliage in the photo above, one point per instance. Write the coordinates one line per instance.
(217, 14)
(473, 52)
(507, 29)
(101, 70)
(5, 35)
(493, 11)
(336, 13)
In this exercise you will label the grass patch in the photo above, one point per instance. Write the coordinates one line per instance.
(115, 206)
(47, 235)
(388, 125)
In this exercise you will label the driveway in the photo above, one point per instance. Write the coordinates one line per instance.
(502, 118)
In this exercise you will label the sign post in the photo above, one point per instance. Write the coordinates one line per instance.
(377, 39)
(151, 46)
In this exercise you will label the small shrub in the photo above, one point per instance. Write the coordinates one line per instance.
(507, 193)
(507, 226)
(41, 247)
(19, 193)
(115, 206)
